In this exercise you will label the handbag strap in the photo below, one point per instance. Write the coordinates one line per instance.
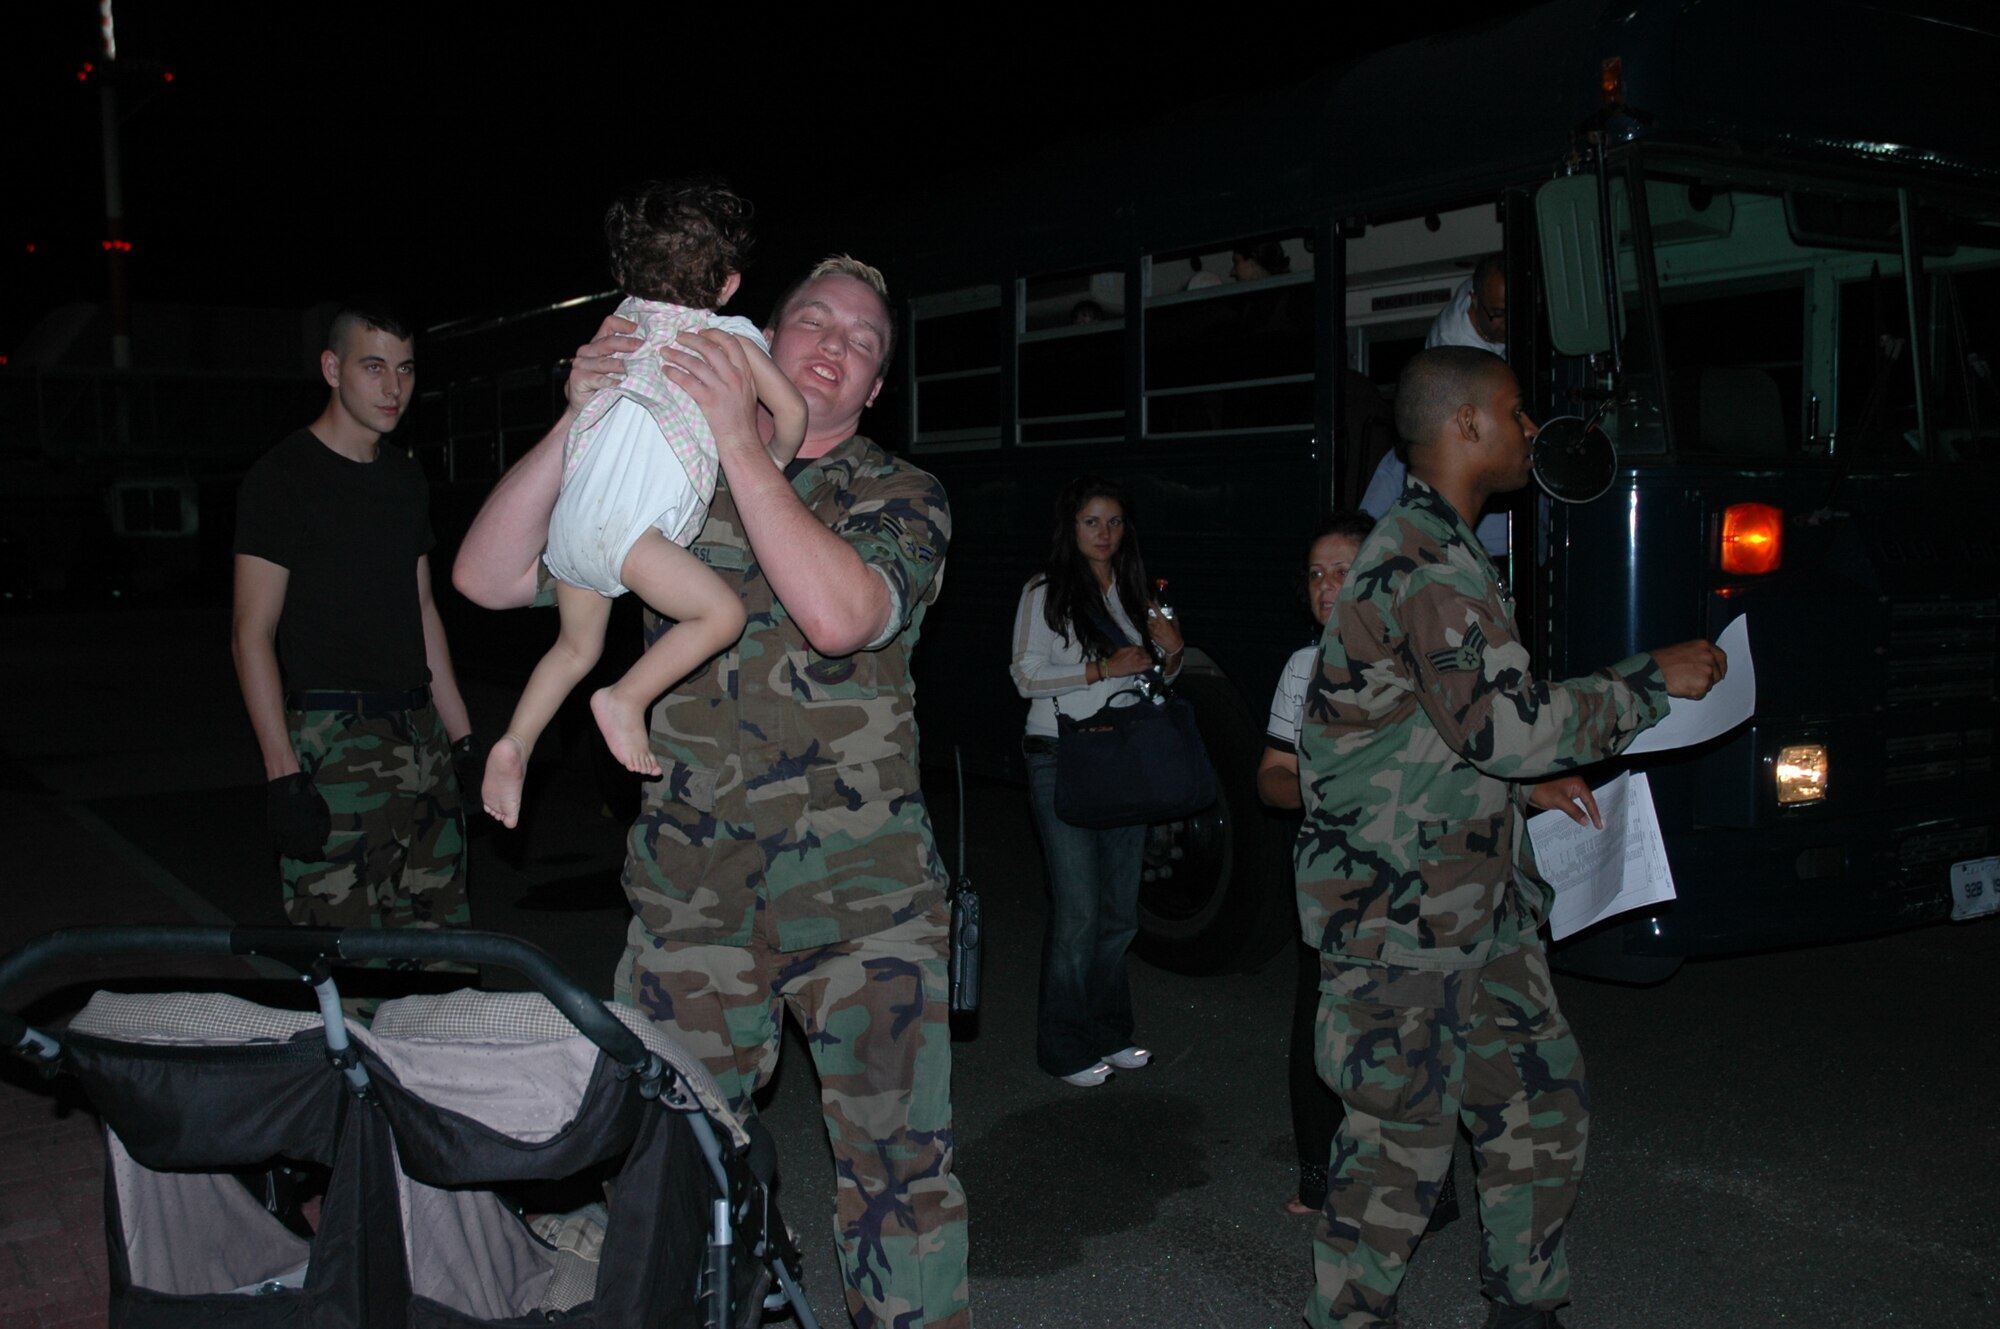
(1107, 624)
(1137, 696)
(1110, 628)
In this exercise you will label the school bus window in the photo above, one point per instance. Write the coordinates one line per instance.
(1230, 337)
(1786, 323)
(955, 345)
(1071, 358)
(1963, 339)
(1736, 369)
(1878, 392)
(1733, 354)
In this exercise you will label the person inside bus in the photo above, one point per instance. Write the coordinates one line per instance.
(1477, 314)
(1077, 641)
(1264, 259)
(1315, 1108)
(1476, 317)
(1424, 743)
(1386, 486)
(1199, 280)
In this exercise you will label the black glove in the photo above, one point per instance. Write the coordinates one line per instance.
(297, 816)
(468, 759)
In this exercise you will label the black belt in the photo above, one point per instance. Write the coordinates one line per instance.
(359, 703)
(1038, 743)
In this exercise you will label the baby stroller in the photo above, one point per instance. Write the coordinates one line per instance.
(426, 1131)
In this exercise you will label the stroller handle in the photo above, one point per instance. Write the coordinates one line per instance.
(302, 948)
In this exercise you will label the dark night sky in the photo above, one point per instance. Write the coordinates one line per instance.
(461, 162)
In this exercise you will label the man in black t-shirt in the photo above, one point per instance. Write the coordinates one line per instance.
(342, 657)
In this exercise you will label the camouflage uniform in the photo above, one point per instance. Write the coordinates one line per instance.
(785, 856)
(1423, 732)
(396, 857)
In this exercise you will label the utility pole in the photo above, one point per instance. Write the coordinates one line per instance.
(115, 247)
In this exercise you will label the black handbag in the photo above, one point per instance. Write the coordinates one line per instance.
(1135, 762)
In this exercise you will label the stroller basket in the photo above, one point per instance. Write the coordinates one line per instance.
(429, 1129)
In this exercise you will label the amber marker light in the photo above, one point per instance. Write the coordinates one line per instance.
(1753, 538)
(1611, 81)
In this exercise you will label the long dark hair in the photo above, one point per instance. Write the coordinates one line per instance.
(1072, 586)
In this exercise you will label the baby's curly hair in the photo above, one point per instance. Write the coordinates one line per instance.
(678, 240)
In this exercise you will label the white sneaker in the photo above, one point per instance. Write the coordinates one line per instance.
(1130, 1059)
(1089, 1078)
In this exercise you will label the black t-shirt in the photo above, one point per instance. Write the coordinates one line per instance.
(350, 534)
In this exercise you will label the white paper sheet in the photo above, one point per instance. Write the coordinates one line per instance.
(1600, 873)
(1728, 704)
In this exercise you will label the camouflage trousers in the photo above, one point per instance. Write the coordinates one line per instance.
(874, 1013)
(1412, 1053)
(396, 857)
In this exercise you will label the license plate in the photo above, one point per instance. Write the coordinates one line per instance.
(1975, 888)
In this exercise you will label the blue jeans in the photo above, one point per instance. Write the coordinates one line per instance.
(1086, 1005)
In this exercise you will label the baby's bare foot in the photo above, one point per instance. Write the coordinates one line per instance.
(506, 772)
(624, 729)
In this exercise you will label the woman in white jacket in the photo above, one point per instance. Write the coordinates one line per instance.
(1078, 640)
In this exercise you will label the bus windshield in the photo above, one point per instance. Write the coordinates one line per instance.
(1781, 325)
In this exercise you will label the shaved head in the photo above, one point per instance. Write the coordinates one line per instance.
(357, 316)
(1435, 384)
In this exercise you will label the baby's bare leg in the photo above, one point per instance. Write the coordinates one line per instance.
(708, 619)
(578, 644)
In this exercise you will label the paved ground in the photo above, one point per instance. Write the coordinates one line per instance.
(1806, 1137)
(62, 874)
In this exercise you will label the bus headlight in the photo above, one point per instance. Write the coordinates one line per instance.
(1801, 773)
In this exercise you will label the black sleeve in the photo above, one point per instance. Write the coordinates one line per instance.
(265, 526)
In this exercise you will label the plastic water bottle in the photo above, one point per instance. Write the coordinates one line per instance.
(1156, 678)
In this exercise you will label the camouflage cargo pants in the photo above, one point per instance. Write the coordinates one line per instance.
(1411, 1054)
(874, 1013)
(396, 857)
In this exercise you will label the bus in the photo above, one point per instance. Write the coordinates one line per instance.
(1736, 237)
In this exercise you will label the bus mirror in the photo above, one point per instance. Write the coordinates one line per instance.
(1573, 265)
(1575, 461)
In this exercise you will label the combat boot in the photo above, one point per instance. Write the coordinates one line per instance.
(1520, 1317)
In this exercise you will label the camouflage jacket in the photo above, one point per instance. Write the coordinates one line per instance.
(1423, 731)
(790, 778)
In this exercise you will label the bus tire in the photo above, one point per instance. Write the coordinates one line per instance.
(1216, 893)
